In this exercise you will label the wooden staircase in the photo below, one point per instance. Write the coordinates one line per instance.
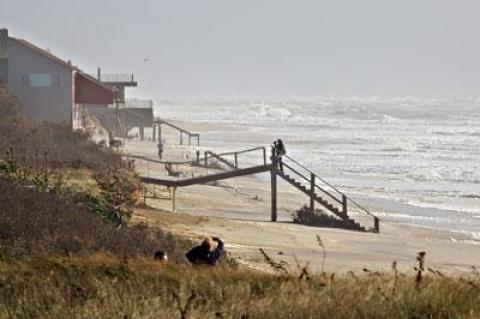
(319, 191)
(349, 222)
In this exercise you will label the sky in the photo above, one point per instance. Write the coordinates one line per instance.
(277, 48)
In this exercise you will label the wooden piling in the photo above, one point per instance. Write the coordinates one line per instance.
(273, 178)
(312, 193)
(173, 199)
(376, 225)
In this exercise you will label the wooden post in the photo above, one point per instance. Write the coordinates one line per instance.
(181, 138)
(273, 177)
(264, 156)
(159, 132)
(376, 225)
(236, 160)
(198, 158)
(145, 195)
(344, 204)
(206, 160)
(154, 133)
(173, 199)
(312, 193)
(142, 133)
(189, 140)
(198, 140)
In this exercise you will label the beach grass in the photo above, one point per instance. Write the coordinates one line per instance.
(106, 286)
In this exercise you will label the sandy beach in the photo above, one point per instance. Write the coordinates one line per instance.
(238, 211)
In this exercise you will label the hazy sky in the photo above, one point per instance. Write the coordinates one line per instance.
(264, 47)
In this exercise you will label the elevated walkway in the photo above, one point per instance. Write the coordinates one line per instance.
(207, 178)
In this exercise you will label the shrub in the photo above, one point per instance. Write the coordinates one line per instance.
(33, 222)
(10, 109)
(319, 218)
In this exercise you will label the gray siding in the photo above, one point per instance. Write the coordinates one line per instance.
(50, 103)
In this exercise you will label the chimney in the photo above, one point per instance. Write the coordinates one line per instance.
(3, 43)
(99, 74)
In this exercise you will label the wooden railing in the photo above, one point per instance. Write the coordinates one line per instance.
(190, 135)
(236, 155)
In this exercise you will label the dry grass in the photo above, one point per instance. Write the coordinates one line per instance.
(102, 286)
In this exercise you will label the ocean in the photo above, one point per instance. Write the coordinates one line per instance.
(413, 160)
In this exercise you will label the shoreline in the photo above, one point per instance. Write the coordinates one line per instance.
(393, 209)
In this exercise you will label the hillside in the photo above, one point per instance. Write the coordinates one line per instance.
(69, 249)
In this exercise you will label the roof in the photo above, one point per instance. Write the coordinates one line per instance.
(45, 53)
(97, 82)
(57, 60)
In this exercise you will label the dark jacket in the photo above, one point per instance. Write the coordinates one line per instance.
(201, 255)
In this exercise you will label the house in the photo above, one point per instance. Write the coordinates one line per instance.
(48, 87)
(126, 113)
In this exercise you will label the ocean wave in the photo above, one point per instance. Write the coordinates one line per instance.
(445, 207)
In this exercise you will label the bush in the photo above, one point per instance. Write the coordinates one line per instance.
(10, 109)
(319, 218)
(115, 199)
(33, 222)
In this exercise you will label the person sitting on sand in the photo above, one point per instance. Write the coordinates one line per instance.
(202, 255)
(160, 256)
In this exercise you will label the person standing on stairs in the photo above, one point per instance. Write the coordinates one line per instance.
(280, 151)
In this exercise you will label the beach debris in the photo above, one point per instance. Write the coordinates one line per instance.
(279, 267)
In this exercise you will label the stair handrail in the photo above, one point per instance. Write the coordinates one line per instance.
(236, 153)
(242, 151)
(333, 187)
(219, 158)
(160, 121)
(306, 178)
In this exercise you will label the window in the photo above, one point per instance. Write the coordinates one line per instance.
(40, 80)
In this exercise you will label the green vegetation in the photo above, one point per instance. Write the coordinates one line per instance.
(68, 251)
